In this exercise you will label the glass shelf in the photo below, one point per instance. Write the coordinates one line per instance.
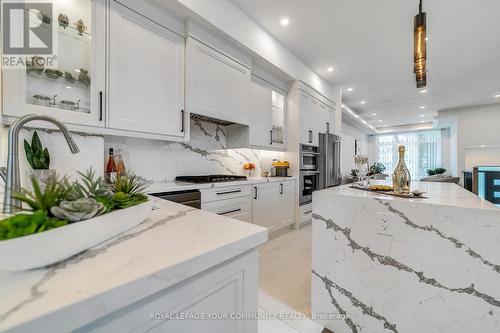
(61, 80)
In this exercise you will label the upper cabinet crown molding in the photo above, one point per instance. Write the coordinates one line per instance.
(304, 87)
(207, 37)
(156, 13)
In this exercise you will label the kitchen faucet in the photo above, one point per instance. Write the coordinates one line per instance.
(10, 174)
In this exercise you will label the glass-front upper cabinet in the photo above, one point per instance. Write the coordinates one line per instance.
(71, 86)
(278, 118)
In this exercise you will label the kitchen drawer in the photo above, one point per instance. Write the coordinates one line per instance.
(236, 208)
(305, 213)
(224, 192)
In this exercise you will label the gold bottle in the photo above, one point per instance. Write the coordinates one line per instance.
(401, 176)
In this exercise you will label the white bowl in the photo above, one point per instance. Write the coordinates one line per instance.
(52, 246)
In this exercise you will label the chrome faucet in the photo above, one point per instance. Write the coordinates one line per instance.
(11, 174)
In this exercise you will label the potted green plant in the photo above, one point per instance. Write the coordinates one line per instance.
(39, 159)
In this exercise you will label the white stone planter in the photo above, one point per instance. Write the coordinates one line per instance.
(52, 246)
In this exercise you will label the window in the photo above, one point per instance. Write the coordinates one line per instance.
(423, 151)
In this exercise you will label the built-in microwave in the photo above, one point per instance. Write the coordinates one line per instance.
(309, 157)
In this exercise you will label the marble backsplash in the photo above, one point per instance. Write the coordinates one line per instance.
(205, 153)
(154, 160)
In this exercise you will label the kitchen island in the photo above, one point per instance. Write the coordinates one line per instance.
(178, 263)
(387, 264)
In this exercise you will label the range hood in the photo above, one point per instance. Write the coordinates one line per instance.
(210, 119)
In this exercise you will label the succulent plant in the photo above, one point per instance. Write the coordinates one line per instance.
(89, 186)
(78, 210)
(37, 156)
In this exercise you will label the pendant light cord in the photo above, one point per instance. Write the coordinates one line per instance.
(420, 7)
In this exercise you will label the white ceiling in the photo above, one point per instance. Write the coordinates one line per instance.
(370, 45)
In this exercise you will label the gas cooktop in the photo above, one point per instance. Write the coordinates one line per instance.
(210, 179)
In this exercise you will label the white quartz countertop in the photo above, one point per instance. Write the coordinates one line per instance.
(172, 186)
(445, 194)
(176, 242)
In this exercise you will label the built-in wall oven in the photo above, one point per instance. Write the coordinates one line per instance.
(309, 173)
(309, 182)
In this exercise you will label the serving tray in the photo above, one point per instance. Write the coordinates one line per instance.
(55, 245)
(394, 194)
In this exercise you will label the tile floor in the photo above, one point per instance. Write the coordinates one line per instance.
(285, 269)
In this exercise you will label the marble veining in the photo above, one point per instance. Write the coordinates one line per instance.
(406, 265)
(176, 242)
(205, 153)
(431, 228)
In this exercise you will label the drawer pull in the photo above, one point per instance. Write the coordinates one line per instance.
(281, 188)
(308, 212)
(230, 211)
(228, 192)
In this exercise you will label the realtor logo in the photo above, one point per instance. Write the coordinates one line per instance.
(27, 28)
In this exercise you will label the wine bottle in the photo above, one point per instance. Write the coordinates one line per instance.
(401, 176)
(110, 173)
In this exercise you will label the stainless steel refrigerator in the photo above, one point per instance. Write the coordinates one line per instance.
(329, 160)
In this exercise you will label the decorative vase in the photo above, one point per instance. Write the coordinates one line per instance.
(43, 176)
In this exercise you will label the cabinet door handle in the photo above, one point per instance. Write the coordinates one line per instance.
(308, 212)
(182, 121)
(327, 127)
(281, 188)
(100, 105)
(230, 211)
(228, 192)
(310, 136)
(271, 132)
(255, 189)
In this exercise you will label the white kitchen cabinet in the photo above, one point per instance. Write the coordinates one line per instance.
(315, 117)
(274, 204)
(239, 208)
(218, 86)
(260, 114)
(229, 288)
(267, 116)
(71, 89)
(146, 75)
(308, 130)
(285, 205)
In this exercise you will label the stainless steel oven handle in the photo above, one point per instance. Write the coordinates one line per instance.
(310, 172)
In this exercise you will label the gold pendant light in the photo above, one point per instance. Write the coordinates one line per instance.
(420, 48)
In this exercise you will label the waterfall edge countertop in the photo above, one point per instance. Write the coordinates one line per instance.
(445, 194)
(175, 243)
(406, 265)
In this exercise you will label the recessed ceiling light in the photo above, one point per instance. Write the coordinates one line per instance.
(423, 91)
(330, 69)
(350, 89)
(497, 96)
(374, 114)
(422, 115)
(422, 107)
(285, 21)
(363, 102)
(422, 121)
(380, 121)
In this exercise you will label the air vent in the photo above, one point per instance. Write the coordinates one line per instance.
(210, 119)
